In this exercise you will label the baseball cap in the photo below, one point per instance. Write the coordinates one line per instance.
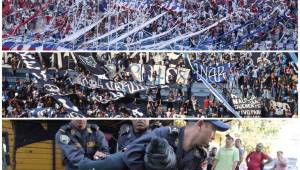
(219, 124)
(230, 136)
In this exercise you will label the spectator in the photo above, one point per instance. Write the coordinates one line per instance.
(281, 162)
(240, 27)
(227, 157)
(238, 145)
(255, 159)
(211, 158)
(264, 77)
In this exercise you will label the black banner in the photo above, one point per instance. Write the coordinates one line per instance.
(37, 71)
(90, 64)
(247, 107)
(35, 67)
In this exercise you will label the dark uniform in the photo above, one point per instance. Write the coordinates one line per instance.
(80, 145)
(127, 136)
(134, 157)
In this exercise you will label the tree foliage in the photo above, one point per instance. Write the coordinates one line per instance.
(252, 132)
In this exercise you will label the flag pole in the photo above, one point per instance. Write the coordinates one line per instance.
(97, 27)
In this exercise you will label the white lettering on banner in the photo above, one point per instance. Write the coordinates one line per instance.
(136, 70)
(124, 87)
(36, 75)
(134, 87)
(130, 87)
(101, 76)
(247, 107)
(29, 65)
(109, 86)
(250, 113)
(118, 86)
(183, 75)
(28, 56)
(221, 71)
(43, 73)
(213, 74)
(141, 72)
(157, 58)
(34, 66)
(173, 56)
(116, 95)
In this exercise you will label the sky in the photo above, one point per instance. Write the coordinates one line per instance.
(288, 141)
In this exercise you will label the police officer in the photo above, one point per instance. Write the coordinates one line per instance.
(129, 133)
(165, 148)
(188, 143)
(80, 141)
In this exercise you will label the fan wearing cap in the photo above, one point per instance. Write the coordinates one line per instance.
(227, 156)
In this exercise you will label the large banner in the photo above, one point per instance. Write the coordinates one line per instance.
(34, 66)
(91, 65)
(247, 107)
(116, 89)
(164, 75)
(215, 92)
(52, 90)
(213, 74)
(123, 86)
(280, 108)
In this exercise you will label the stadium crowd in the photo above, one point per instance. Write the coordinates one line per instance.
(241, 24)
(266, 76)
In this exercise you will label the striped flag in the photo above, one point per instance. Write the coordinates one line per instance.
(8, 45)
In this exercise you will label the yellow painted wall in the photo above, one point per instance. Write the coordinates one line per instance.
(36, 156)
